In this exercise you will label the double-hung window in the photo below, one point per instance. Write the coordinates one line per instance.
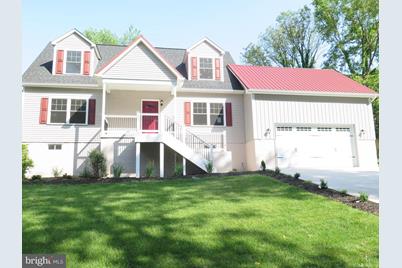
(216, 114)
(200, 116)
(58, 111)
(70, 111)
(73, 62)
(206, 69)
(208, 114)
(78, 111)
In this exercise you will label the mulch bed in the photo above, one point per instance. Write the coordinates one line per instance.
(347, 199)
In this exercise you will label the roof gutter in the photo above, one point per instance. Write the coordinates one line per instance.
(52, 85)
(311, 93)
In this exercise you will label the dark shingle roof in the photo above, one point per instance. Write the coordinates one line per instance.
(40, 71)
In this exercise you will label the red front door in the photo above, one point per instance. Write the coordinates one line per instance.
(150, 112)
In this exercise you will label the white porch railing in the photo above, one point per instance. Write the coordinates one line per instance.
(121, 123)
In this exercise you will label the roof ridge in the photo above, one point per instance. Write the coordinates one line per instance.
(281, 67)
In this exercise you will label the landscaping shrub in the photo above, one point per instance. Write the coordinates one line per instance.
(149, 169)
(36, 177)
(117, 169)
(209, 166)
(97, 161)
(277, 171)
(363, 197)
(27, 162)
(66, 176)
(343, 192)
(323, 184)
(57, 172)
(178, 170)
(85, 173)
(297, 175)
(263, 166)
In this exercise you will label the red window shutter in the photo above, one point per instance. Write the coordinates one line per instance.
(59, 61)
(187, 113)
(87, 62)
(217, 69)
(43, 110)
(194, 73)
(228, 110)
(91, 111)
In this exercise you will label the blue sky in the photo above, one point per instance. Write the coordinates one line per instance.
(231, 24)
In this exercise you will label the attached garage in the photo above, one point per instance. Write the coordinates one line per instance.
(312, 146)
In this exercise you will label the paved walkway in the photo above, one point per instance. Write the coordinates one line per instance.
(353, 180)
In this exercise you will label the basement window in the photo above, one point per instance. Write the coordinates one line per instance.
(54, 146)
(284, 128)
(303, 128)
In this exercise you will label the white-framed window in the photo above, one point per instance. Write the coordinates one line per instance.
(303, 128)
(206, 68)
(343, 129)
(284, 128)
(68, 111)
(58, 111)
(73, 62)
(54, 146)
(78, 111)
(208, 114)
(216, 116)
(324, 129)
(200, 114)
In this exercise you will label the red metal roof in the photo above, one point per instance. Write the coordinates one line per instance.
(296, 79)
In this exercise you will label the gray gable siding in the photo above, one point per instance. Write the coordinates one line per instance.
(140, 64)
(40, 71)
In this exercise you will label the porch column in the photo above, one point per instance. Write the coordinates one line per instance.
(161, 159)
(137, 160)
(103, 106)
(184, 166)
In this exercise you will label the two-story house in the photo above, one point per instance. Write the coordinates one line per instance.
(139, 104)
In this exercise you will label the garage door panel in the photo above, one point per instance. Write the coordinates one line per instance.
(310, 146)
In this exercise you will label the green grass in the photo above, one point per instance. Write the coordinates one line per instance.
(244, 221)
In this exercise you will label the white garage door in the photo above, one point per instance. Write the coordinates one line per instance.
(309, 146)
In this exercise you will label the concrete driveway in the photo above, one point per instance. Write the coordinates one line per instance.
(353, 179)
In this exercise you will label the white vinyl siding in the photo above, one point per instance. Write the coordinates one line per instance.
(32, 131)
(140, 64)
(269, 110)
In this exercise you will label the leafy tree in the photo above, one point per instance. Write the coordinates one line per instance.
(350, 27)
(107, 37)
(27, 162)
(293, 42)
(129, 36)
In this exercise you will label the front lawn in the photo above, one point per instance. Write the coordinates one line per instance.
(244, 221)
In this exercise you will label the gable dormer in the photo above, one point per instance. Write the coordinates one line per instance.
(204, 61)
(74, 54)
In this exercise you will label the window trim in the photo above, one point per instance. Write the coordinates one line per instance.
(208, 114)
(68, 110)
(65, 61)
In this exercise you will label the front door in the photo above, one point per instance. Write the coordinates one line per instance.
(150, 115)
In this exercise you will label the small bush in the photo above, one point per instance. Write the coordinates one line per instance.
(57, 172)
(85, 173)
(277, 171)
(97, 161)
(178, 170)
(343, 192)
(308, 181)
(36, 177)
(27, 162)
(323, 184)
(66, 176)
(363, 197)
(297, 175)
(117, 169)
(149, 169)
(263, 166)
(209, 166)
